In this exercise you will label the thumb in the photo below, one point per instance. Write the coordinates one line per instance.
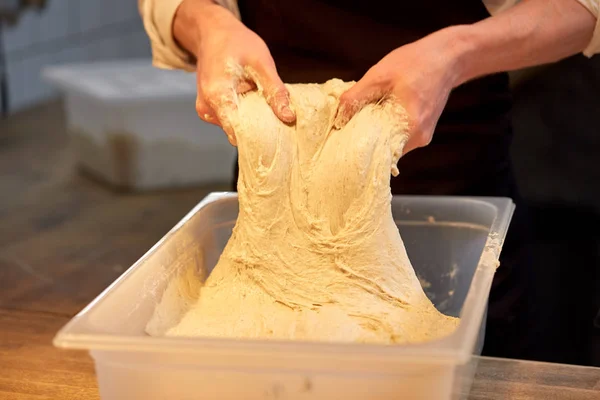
(275, 92)
(419, 138)
(411, 145)
(354, 99)
(224, 103)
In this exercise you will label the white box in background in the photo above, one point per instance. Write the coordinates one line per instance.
(135, 126)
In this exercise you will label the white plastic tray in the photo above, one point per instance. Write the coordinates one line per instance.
(454, 244)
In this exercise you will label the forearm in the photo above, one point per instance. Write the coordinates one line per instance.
(533, 32)
(193, 20)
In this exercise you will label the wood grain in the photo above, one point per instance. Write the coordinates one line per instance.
(32, 368)
(498, 379)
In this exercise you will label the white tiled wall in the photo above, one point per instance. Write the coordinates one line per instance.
(68, 31)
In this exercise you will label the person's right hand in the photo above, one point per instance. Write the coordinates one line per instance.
(231, 59)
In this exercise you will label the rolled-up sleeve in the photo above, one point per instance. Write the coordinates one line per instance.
(158, 18)
(593, 6)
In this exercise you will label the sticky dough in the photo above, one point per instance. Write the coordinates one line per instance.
(315, 253)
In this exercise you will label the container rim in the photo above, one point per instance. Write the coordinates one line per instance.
(454, 348)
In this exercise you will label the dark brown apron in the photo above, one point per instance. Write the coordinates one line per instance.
(316, 40)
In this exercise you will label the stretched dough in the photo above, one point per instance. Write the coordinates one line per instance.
(315, 253)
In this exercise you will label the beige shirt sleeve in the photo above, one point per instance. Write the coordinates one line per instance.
(158, 21)
(158, 18)
(496, 6)
(594, 7)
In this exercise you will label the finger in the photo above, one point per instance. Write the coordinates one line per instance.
(396, 154)
(275, 92)
(228, 129)
(245, 86)
(222, 99)
(210, 102)
(205, 112)
(224, 116)
(354, 99)
(410, 146)
(418, 139)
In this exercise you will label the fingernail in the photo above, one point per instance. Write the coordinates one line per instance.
(340, 119)
(287, 113)
(232, 140)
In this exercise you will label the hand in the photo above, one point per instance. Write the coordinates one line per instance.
(231, 59)
(418, 77)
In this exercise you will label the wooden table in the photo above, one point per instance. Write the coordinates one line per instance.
(64, 238)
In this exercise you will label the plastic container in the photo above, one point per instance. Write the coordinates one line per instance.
(454, 245)
(135, 126)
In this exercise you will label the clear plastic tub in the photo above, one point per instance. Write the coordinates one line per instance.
(135, 126)
(453, 242)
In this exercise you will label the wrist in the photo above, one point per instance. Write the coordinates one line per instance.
(194, 19)
(456, 46)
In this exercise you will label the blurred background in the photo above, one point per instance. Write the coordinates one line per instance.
(37, 33)
(93, 170)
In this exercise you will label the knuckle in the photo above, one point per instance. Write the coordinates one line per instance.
(210, 92)
(214, 89)
(201, 109)
(279, 92)
(346, 97)
(254, 59)
(203, 84)
(278, 95)
(204, 112)
(346, 109)
(221, 103)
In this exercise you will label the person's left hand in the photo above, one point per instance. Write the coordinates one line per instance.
(418, 76)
